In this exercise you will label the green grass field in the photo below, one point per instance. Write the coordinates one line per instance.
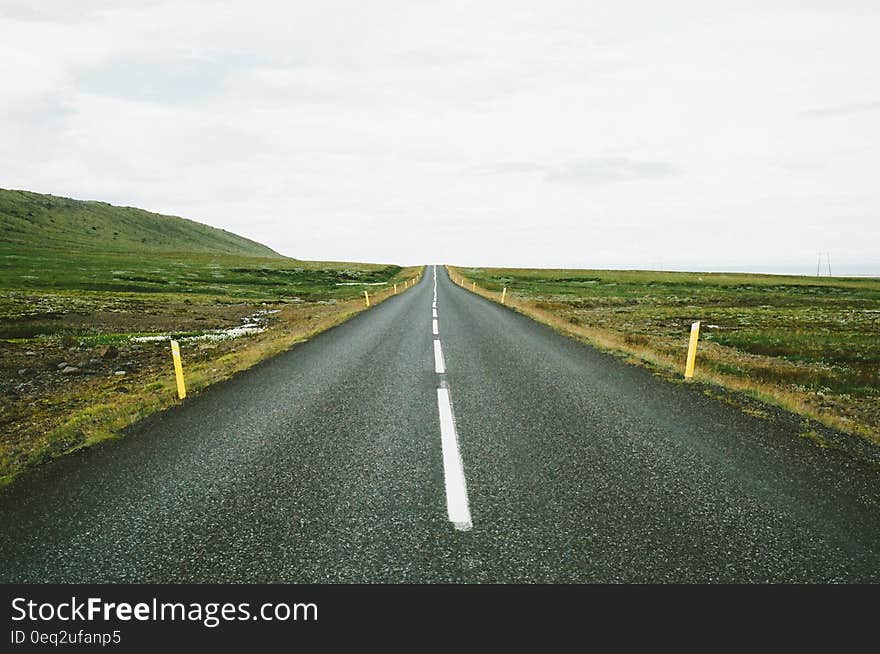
(77, 277)
(235, 277)
(41, 286)
(811, 344)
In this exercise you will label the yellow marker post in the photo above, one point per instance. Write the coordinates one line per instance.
(503, 295)
(692, 351)
(178, 369)
(395, 288)
(473, 286)
(367, 298)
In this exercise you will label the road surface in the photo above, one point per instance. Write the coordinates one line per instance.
(492, 451)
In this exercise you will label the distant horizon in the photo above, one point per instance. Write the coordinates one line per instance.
(856, 270)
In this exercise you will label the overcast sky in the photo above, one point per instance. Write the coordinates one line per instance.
(575, 134)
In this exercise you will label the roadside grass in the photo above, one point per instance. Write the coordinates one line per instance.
(70, 305)
(809, 345)
(106, 409)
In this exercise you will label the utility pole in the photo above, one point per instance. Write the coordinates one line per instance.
(828, 255)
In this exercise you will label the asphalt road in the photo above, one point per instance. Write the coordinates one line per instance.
(333, 463)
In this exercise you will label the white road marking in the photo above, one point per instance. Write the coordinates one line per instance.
(457, 507)
(456, 488)
(439, 364)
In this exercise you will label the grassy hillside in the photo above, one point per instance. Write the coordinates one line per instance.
(809, 344)
(33, 220)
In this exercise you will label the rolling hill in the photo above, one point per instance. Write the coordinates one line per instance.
(33, 220)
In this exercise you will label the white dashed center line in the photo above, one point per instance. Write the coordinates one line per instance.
(457, 507)
(456, 489)
(439, 365)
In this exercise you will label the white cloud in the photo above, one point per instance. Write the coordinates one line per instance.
(556, 133)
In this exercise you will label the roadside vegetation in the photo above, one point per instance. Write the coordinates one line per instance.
(86, 315)
(808, 344)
